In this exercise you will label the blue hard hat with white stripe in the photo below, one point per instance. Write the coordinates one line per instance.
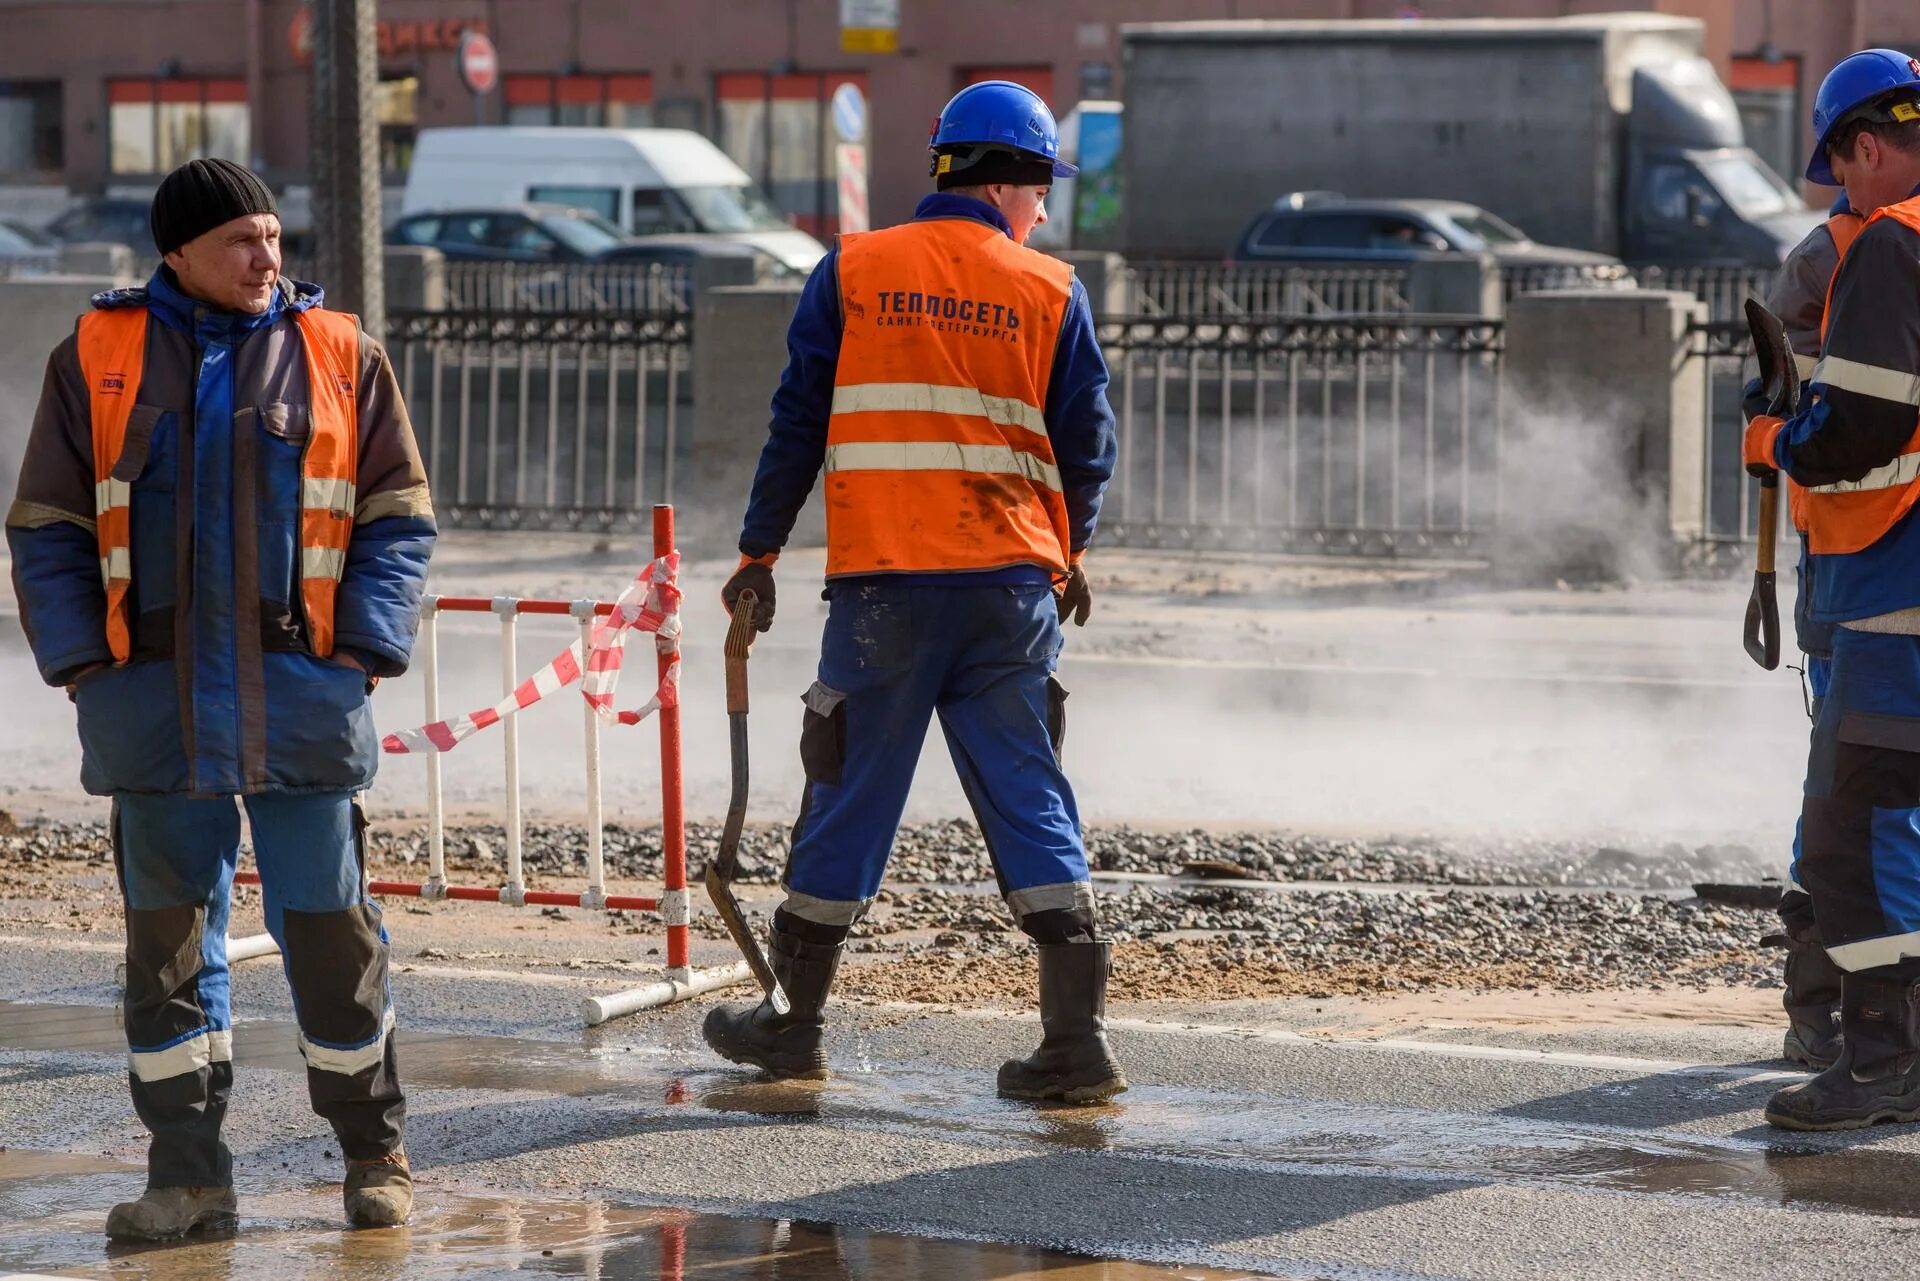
(1853, 85)
(1001, 114)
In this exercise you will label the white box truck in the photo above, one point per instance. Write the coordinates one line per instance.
(646, 181)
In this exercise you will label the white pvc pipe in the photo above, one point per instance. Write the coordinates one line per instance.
(598, 1009)
(515, 890)
(596, 892)
(245, 948)
(436, 884)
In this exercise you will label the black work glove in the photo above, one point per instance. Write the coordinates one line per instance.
(758, 579)
(1075, 599)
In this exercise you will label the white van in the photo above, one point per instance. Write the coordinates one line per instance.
(645, 180)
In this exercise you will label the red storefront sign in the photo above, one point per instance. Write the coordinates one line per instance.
(394, 39)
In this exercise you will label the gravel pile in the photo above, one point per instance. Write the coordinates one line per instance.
(951, 853)
(1598, 940)
(1195, 938)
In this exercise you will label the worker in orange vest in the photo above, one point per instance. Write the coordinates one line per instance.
(1853, 452)
(948, 383)
(219, 543)
(1798, 296)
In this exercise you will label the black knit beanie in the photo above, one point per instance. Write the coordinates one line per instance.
(201, 195)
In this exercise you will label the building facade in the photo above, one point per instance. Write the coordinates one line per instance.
(98, 95)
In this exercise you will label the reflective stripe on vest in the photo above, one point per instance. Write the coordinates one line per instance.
(937, 451)
(1850, 516)
(113, 347)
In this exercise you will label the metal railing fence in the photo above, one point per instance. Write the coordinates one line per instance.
(547, 421)
(1365, 436)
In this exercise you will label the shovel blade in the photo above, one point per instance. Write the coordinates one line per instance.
(1762, 631)
(736, 922)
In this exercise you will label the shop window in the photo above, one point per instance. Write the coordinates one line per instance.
(780, 130)
(397, 106)
(155, 125)
(613, 101)
(31, 144)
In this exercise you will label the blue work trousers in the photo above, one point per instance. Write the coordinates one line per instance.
(1859, 858)
(177, 856)
(982, 658)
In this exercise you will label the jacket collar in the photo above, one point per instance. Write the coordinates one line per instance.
(178, 310)
(947, 205)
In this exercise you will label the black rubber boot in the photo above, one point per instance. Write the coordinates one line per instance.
(1877, 1077)
(786, 1046)
(1812, 1001)
(1074, 1063)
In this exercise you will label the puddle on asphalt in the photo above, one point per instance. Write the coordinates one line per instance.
(1258, 1132)
(54, 1205)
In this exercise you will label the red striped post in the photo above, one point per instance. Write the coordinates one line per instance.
(676, 907)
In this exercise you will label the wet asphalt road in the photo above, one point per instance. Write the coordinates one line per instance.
(1461, 1154)
(1456, 1155)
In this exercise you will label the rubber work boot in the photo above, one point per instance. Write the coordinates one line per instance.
(167, 1214)
(1812, 1001)
(1877, 1077)
(1074, 1063)
(788, 1046)
(379, 1192)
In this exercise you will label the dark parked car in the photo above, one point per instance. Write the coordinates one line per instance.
(1327, 227)
(28, 232)
(22, 254)
(523, 233)
(108, 220)
(685, 251)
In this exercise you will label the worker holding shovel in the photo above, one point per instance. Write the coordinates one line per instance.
(948, 382)
(1854, 448)
(1798, 297)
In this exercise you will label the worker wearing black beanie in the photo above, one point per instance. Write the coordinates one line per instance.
(201, 195)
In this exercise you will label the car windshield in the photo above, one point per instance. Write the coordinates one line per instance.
(1489, 229)
(739, 208)
(584, 233)
(1752, 190)
(32, 235)
(14, 245)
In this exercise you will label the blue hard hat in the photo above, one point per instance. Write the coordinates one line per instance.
(1000, 115)
(1853, 84)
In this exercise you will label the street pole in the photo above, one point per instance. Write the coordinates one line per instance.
(346, 161)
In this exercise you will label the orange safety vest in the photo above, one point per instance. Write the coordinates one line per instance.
(113, 348)
(1844, 227)
(1851, 515)
(937, 451)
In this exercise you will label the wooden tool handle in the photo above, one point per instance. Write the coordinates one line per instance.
(1769, 521)
(739, 646)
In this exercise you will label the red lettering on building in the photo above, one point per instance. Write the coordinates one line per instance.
(393, 39)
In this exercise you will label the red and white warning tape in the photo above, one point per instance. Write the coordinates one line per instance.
(651, 603)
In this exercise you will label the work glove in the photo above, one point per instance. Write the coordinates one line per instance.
(754, 575)
(1757, 449)
(1075, 597)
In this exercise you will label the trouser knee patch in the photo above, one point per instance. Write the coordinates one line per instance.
(337, 965)
(823, 734)
(163, 952)
(1057, 716)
